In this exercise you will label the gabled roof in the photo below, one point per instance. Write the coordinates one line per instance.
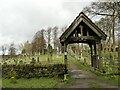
(82, 18)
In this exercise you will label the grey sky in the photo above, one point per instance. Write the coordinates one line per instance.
(20, 19)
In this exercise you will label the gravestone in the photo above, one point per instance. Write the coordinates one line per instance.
(33, 61)
(85, 61)
(15, 62)
(111, 59)
(38, 59)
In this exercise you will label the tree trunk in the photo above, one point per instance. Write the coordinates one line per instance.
(113, 31)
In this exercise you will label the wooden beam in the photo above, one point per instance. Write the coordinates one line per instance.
(76, 34)
(90, 45)
(82, 38)
(95, 56)
(65, 57)
(93, 28)
(82, 18)
(100, 61)
(86, 42)
(81, 29)
(87, 32)
(71, 27)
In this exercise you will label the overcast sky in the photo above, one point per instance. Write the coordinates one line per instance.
(20, 19)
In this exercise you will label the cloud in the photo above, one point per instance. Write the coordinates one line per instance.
(20, 19)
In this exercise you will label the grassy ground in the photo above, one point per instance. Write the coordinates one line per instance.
(42, 58)
(94, 85)
(113, 79)
(110, 60)
(29, 83)
(43, 82)
(36, 83)
(82, 67)
(53, 82)
(0, 83)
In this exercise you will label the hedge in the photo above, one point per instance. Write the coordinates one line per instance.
(32, 70)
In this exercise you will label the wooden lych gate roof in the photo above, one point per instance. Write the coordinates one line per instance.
(90, 32)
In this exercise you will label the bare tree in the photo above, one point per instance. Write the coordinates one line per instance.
(105, 25)
(42, 41)
(39, 43)
(55, 36)
(26, 48)
(62, 30)
(3, 51)
(48, 35)
(58, 44)
(108, 9)
(12, 50)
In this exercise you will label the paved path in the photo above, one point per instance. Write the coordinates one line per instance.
(85, 79)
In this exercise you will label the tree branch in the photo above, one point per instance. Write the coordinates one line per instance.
(103, 14)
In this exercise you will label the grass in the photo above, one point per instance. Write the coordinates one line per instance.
(112, 79)
(30, 83)
(81, 66)
(42, 58)
(107, 62)
(54, 82)
(0, 83)
(94, 85)
(43, 82)
(36, 83)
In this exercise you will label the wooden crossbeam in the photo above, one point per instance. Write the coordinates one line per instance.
(82, 38)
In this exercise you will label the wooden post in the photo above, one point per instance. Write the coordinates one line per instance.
(87, 33)
(65, 57)
(95, 56)
(119, 46)
(100, 61)
(81, 29)
(81, 50)
(91, 54)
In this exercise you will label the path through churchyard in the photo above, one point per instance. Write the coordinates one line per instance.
(85, 79)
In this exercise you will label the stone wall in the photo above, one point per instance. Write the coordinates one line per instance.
(32, 70)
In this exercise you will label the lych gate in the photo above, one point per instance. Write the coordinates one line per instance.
(83, 30)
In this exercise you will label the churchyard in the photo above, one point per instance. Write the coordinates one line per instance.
(12, 80)
(85, 54)
(22, 74)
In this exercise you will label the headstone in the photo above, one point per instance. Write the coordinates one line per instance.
(111, 58)
(24, 62)
(38, 59)
(15, 62)
(85, 61)
(33, 60)
(48, 60)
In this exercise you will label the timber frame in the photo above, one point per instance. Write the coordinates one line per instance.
(83, 30)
